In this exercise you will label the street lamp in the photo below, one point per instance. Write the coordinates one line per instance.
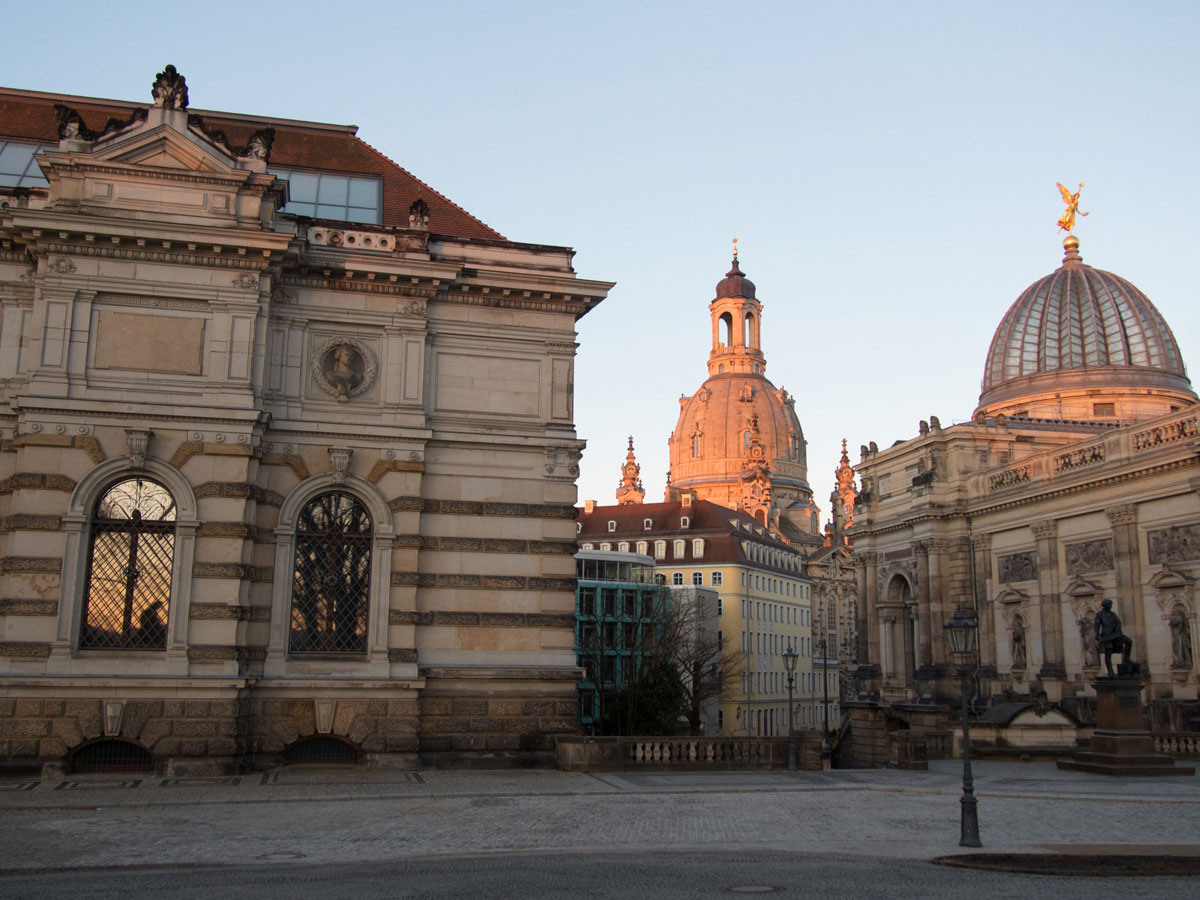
(825, 693)
(789, 663)
(960, 632)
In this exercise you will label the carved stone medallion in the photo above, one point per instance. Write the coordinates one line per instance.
(344, 368)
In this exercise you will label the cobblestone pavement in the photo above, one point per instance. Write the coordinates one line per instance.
(331, 816)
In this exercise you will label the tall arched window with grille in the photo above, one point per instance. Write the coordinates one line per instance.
(331, 579)
(131, 550)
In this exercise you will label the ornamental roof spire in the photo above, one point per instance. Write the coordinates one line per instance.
(630, 490)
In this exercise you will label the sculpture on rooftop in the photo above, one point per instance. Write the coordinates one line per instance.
(1067, 222)
(170, 89)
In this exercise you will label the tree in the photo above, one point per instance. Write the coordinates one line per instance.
(693, 643)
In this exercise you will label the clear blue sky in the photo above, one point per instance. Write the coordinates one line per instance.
(889, 168)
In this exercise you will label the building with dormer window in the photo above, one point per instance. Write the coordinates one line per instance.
(287, 456)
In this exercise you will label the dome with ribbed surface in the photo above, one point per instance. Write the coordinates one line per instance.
(1081, 328)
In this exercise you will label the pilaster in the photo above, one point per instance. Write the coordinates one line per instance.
(1053, 660)
(1128, 564)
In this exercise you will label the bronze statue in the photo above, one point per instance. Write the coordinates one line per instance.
(1110, 637)
(1067, 222)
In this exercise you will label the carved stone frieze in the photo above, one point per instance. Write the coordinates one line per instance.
(62, 266)
(246, 280)
(1089, 556)
(1179, 543)
(1018, 567)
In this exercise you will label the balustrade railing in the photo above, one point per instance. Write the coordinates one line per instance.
(1180, 744)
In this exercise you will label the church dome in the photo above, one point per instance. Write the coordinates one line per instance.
(1086, 337)
(735, 284)
(737, 441)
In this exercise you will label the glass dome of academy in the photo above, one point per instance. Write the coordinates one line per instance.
(1083, 344)
(737, 441)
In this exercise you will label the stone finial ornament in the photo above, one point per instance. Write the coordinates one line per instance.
(170, 89)
(418, 214)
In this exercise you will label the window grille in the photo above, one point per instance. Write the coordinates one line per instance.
(111, 756)
(332, 576)
(131, 551)
(321, 751)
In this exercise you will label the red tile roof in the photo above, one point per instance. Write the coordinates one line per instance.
(723, 530)
(29, 115)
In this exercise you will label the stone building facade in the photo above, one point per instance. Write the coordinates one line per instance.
(287, 453)
(1077, 479)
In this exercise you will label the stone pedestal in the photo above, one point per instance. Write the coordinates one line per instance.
(1121, 745)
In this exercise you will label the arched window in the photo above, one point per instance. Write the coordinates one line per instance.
(331, 579)
(746, 436)
(130, 553)
(696, 445)
(726, 330)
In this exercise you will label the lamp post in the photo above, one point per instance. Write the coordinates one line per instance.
(960, 632)
(825, 693)
(789, 663)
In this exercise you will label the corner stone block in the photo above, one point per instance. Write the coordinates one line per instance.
(172, 709)
(346, 714)
(504, 707)
(470, 707)
(437, 706)
(28, 709)
(25, 748)
(68, 731)
(87, 713)
(25, 728)
(7, 707)
(53, 708)
(377, 708)
(51, 748)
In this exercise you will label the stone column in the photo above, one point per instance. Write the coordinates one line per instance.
(981, 546)
(925, 599)
(1128, 564)
(1049, 605)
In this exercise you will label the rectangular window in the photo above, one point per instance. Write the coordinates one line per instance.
(608, 597)
(717, 579)
(321, 195)
(698, 579)
(1104, 409)
(587, 601)
(629, 603)
(677, 579)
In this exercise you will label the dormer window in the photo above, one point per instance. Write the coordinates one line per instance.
(17, 168)
(698, 548)
(642, 547)
(623, 546)
(684, 522)
(612, 525)
(680, 549)
(322, 195)
(647, 524)
(606, 546)
(589, 546)
(578, 527)
(660, 549)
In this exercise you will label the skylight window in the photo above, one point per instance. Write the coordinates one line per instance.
(321, 195)
(17, 168)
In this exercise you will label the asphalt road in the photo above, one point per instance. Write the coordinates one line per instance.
(661, 875)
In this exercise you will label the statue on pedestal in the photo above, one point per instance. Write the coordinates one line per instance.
(1110, 637)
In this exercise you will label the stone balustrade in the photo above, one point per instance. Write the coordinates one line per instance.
(1180, 744)
(587, 754)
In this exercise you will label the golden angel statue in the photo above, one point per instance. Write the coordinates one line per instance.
(1067, 222)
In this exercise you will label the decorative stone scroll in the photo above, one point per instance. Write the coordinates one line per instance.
(1179, 543)
(343, 368)
(1089, 556)
(1018, 567)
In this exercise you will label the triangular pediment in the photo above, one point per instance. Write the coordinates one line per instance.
(1079, 586)
(165, 148)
